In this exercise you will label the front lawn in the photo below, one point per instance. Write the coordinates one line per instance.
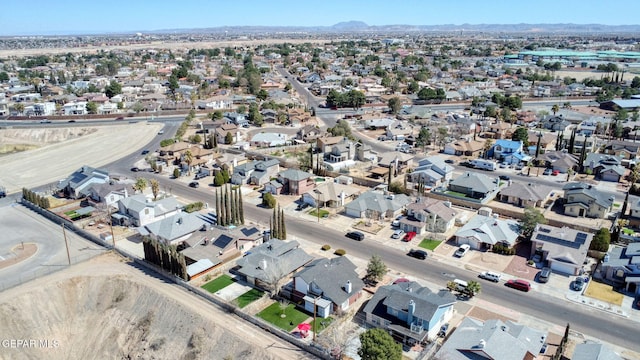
(323, 213)
(628, 231)
(248, 297)
(292, 318)
(321, 324)
(429, 244)
(218, 283)
(455, 193)
(603, 292)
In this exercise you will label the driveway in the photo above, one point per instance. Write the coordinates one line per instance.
(518, 266)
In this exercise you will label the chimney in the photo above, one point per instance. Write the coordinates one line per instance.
(263, 264)
(447, 204)
(410, 310)
(126, 193)
(180, 221)
(348, 287)
(482, 344)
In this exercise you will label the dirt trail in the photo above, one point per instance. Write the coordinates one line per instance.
(107, 308)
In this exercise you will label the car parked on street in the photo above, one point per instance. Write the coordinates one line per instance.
(555, 172)
(504, 177)
(491, 276)
(519, 284)
(578, 284)
(194, 184)
(418, 254)
(547, 171)
(355, 235)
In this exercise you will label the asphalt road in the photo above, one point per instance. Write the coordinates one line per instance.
(20, 224)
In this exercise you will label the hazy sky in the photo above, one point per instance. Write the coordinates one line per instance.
(80, 17)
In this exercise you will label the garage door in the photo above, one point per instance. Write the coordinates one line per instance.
(561, 267)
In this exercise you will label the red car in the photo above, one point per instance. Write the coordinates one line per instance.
(518, 284)
(410, 235)
(555, 172)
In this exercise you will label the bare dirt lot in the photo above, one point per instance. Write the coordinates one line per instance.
(57, 152)
(108, 308)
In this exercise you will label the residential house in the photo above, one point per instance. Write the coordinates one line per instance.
(309, 133)
(108, 194)
(559, 160)
(429, 214)
(330, 194)
(634, 205)
(564, 249)
(271, 263)
(377, 206)
(623, 149)
(554, 123)
(468, 147)
(584, 140)
(365, 153)
(431, 172)
(236, 119)
(410, 311)
(293, 181)
(174, 229)
(581, 199)
(482, 232)
(327, 286)
(138, 210)
(546, 139)
(500, 130)
(397, 160)
(263, 171)
(269, 116)
(594, 351)
(220, 244)
(492, 339)
(504, 149)
(604, 167)
(242, 173)
(269, 139)
(77, 184)
(620, 266)
(75, 108)
(341, 152)
(525, 195)
(475, 185)
(326, 143)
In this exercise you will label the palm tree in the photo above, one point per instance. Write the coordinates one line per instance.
(155, 188)
(488, 144)
(140, 185)
(188, 158)
(555, 108)
(19, 108)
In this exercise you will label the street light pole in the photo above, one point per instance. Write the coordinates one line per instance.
(66, 244)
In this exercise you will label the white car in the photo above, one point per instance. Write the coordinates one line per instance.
(462, 250)
(491, 276)
(397, 234)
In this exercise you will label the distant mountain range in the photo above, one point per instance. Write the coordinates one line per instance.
(361, 27)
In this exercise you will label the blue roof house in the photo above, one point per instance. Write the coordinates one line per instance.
(503, 148)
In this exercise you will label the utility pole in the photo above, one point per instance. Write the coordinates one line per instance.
(66, 244)
(113, 237)
(315, 317)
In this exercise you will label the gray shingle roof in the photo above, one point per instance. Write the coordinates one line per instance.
(175, 226)
(535, 192)
(397, 297)
(478, 182)
(281, 257)
(496, 339)
(376, 201)
(593, 351)
(331, 276)
(294, 175)
(490, 230)
(588, 190)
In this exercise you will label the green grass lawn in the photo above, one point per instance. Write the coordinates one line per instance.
(321, 324)
(429, 244)
(248, 297)
(455, 193)
(323, 213)
(628, 231)
(218, 283)
(293, 316)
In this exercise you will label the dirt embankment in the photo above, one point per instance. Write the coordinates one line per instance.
(15, 140)
(108, 317)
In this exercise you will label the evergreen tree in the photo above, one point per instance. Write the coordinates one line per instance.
(283, 228)
(275, 223)
(227, 206)
(240, 207)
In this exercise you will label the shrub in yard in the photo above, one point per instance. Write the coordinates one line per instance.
(340, 252)
(326, 247)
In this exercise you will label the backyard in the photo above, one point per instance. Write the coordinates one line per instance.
(248, 297)
(603, 292)
(218, 283)
(292, 316)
